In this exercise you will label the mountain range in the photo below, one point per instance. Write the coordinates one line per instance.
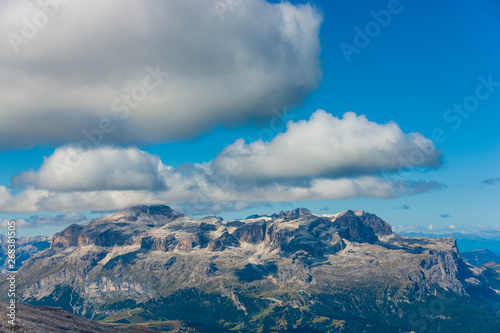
(26, 247)
(292, 271)
(468, 238)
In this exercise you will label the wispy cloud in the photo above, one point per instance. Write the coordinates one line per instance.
(46, 220)
(216, 207)
(491, 181)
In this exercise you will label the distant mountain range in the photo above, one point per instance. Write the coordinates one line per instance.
(468, 238)
(26, 247)
(480, 257)
(293, 271)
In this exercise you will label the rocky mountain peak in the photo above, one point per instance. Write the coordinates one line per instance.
(212, 218)
(360, 219)
(256, 216)
(118, 229)
(292, 214)
(144, 211)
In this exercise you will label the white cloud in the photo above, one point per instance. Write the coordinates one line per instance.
(104, 168)
(79, 67)
(26, 201)
(329, 147)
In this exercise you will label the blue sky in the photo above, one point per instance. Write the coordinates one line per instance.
(427, 58)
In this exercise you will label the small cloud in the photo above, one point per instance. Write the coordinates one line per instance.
(491, 181)
(430, 227)
(452, 227)
(105, 212)
(37, 221)
(216, 207)
(119, 169)
(403, 207)
(445, 215)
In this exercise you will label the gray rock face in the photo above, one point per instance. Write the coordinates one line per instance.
(146, 253)
(71, 236)
(360, 226)
(167, 243)
(378, 225)
(223, 241)
(251, 232)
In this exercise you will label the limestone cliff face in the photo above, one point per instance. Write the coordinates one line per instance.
(251, 232)
(149, 252)
(360, 226)
(378, 225)
(224, 241)
(69, 237)
(167, 243)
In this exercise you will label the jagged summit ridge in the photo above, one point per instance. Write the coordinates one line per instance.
(146, 212)
(292, 214)
(160, 227)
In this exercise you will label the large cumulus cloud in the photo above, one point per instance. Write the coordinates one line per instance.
(153, 70)
(330, 147)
